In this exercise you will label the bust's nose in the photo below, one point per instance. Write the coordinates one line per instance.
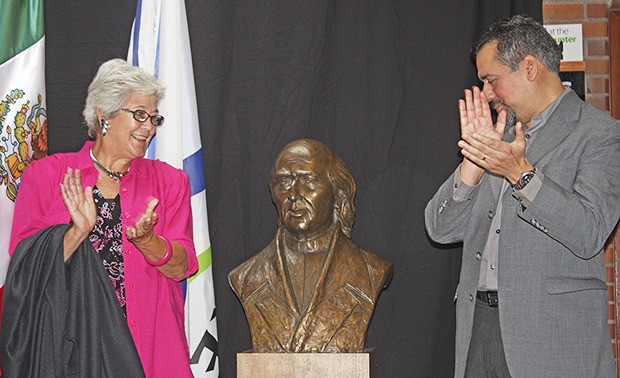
(293, 191)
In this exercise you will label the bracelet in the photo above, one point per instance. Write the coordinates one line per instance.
(166, 257)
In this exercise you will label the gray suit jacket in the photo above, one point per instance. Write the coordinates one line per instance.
(552, 290)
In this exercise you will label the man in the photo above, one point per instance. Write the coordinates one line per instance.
(311, 289)
(533, 208)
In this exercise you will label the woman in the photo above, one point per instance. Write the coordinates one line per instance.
(134, 212)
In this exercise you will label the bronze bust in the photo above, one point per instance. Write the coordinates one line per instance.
(311, 289)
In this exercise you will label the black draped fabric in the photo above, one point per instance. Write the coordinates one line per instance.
(62, 319)
(378, 81)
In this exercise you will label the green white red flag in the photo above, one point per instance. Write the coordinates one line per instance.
(23, 115)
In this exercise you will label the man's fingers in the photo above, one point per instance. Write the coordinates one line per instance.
(480, 141)
(463, 113)
(501, 122)
(475, 157)
(469, 104)
(484, 103)
(519, 133)
(477, 101)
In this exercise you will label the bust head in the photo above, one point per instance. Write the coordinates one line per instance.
(312, 189)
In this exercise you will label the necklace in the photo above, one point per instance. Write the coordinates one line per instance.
(114, 175)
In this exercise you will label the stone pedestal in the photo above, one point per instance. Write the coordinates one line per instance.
(306, 365)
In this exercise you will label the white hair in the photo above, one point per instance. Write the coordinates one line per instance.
(114, 84)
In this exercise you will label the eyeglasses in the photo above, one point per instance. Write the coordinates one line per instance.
(142, 116)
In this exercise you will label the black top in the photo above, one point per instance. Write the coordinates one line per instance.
(107, 239)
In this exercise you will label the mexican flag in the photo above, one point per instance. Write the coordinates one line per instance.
(23, 115)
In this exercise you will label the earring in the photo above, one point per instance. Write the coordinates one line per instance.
(105, 125)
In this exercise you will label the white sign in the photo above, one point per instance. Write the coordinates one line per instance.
(571, 38)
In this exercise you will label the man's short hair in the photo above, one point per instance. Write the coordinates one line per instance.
(519, 36)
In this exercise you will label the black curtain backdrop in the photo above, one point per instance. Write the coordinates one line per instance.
(378, 81)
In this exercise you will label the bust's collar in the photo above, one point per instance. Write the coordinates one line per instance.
(320, 243)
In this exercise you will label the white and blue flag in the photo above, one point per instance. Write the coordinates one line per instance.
(160, 44)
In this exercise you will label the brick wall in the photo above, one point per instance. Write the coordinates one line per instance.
(593, 15)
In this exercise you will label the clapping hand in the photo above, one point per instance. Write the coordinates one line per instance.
(475, 116)
(79, 202)
(142, 231)
(476, 120)
(482, 143)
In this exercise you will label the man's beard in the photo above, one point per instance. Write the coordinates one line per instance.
(511, 116)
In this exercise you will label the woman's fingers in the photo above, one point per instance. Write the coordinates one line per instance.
(146, 222)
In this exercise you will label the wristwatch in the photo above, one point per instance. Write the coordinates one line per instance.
(525, 178)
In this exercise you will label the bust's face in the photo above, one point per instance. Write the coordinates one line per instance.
(302, 192)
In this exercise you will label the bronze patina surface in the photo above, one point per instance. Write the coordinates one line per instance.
(312, 289)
